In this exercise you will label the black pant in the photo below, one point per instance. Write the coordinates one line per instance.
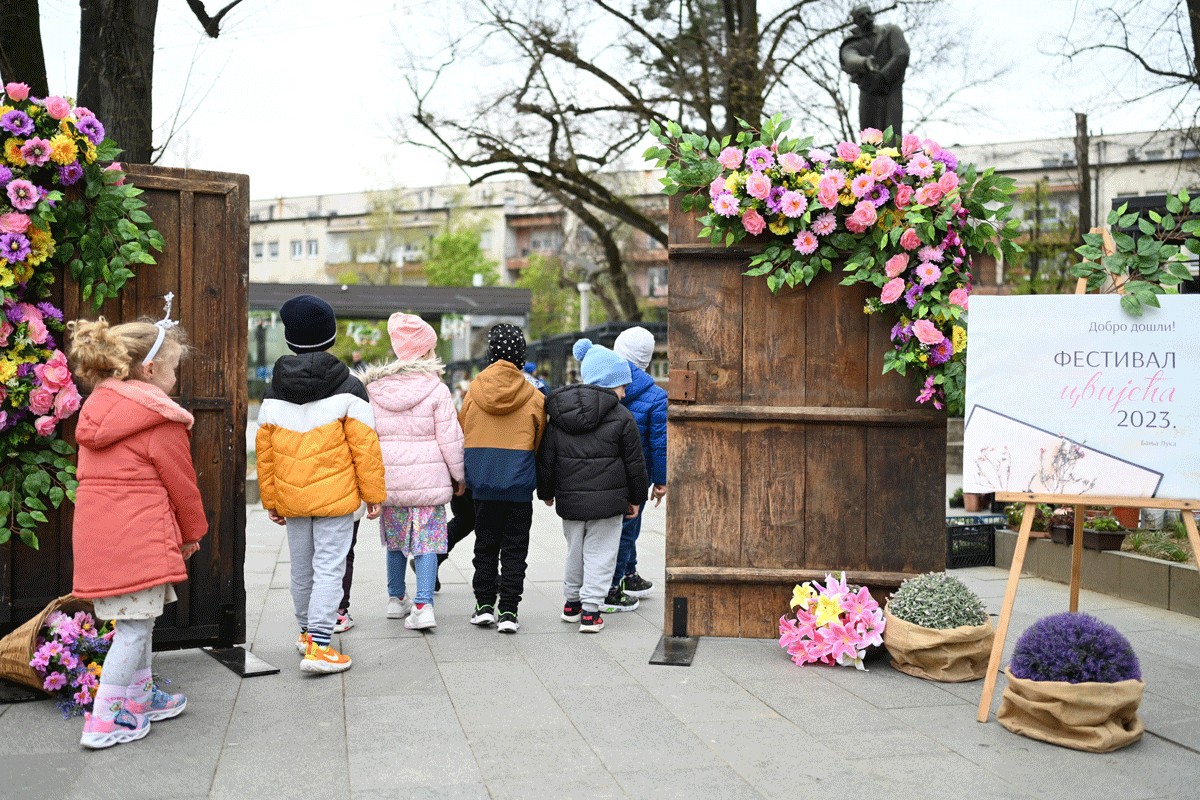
(348, 578)
(461, 524)
(501, 533)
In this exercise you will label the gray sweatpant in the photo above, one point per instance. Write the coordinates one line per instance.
(591, 558)
(318, 547)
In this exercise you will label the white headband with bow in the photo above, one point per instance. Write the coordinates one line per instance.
(165, 324)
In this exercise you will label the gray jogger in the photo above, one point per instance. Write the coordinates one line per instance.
(591, 559)
(318, 548)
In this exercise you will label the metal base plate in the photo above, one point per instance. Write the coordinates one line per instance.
(242, 661)
(675, 651)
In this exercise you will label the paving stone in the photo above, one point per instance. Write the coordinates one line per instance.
(685, 784)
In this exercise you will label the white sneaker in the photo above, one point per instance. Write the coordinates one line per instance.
(344, 622)
(421, 618)
(398, 607)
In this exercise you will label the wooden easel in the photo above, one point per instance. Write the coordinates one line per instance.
(1080, 503)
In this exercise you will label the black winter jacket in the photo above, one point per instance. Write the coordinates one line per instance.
(590, 462)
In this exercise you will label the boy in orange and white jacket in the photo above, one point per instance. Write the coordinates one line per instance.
(318, 461)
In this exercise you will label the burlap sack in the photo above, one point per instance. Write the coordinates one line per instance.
(17, 648)
(951, 655)
(1096, 717)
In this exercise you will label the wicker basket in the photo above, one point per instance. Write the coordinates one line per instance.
(17, 648)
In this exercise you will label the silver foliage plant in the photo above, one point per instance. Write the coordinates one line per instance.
(937, 600)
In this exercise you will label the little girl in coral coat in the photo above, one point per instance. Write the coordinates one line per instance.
(422, 447)
(138, 512)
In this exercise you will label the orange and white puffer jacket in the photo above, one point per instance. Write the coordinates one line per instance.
(318, 454)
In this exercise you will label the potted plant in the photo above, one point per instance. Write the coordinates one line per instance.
(1074, 681)
(1062, 525)
(1103, 533)
(957, 499)
(937, 629)
(975, 502)
(1041, 517)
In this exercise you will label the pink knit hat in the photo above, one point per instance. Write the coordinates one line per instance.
(412, 337)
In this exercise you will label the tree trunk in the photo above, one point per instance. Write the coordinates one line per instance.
(744, 82)
(22, 59)
(116, 70)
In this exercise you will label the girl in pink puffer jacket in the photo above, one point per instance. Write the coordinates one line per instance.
(422, 447)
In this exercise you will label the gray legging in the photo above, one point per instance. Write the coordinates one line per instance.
(129, 653)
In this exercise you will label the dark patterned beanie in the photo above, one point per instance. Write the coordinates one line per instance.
(506, 342)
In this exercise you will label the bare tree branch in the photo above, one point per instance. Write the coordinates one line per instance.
(211, 25)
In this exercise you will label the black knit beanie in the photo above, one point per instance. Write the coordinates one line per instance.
(309, 324)
(506, 342)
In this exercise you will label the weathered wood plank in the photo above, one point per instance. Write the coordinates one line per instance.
(824, 415)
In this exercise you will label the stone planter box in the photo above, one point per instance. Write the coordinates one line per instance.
(1092, 540)
(1162, 584)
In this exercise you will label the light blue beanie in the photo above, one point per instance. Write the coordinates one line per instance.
(600, 366)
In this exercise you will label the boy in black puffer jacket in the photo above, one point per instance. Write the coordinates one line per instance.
(591, 461)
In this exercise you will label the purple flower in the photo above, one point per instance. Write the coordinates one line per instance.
(92, 129)
(5, 175)
(759, 159)
(773, 199)
(901, 333)
(23, 195)
(14, 246)
(17, 122)
(1075, 648)
(880, 195)
(947, 158)
(913, 294)
(24, 370)
(70, 174)
(941, 352)
(54, 681)
(49, 310)
(14, 313)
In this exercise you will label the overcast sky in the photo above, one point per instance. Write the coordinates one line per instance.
(303, 94)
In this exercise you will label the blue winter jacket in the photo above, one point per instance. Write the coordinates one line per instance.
(648, 403)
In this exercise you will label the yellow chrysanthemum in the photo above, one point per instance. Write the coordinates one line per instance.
(780, 227)
(41, 246)
(12, 152)
(7, 370)
(863, 161)
(890, 151)
(23, 272)
(732, 181)
(5, 109)
(828, 610)
(89, 153)
(34, 111)
(802, 594)
(66, 127)
(924, 358)
(958, 335)
(6, 277)
(846, 198)
(63, 150)
(812, 179)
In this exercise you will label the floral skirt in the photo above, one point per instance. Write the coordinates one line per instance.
(414, 530)
(146, 604)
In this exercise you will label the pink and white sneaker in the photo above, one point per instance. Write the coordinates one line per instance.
(124, 727)
(158, 706)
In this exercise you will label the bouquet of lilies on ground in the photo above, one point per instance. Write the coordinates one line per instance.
(899, 213)
(832, 623)
(69, 656)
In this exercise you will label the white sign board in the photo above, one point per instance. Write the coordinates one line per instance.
(1068, 394)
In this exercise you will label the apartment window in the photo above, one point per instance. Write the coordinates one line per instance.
(485, 241)
(656, 281)
(257, 250)
(273, 250)
(297, 249)
(313, 248)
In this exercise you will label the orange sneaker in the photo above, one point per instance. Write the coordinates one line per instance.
(324, 659)
(302, 643)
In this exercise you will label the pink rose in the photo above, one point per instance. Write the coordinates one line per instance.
(864, 216)
(81, 112)
(35, 329)
(948, 182)
(730, 158)
(929, 194)
(3, 418)
(931, 147)
(909, 239)
(41, 400)
(927, 332)
(57, 107)
(716, 187)
(827, 193)
(17, 91)
(871, 136)
(54, 374)
(6, 330)
(45, 425)
(882, 168)
(959, 296)
(848, 151)
(904, 195)
(753, 222)
(13, 222)
(67, 402)
(892, 290)
(896, 264)
(791, 162)
(116, 167)
(909, 144)
(758, 185)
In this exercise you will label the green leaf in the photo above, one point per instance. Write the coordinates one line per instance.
(29, 538)
(1145, 227)
(62, 446)
(57, 495)
(35, 503)
(1174, 205)
(39, 516)
(1131, 305)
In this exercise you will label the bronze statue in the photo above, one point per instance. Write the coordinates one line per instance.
(876, 57)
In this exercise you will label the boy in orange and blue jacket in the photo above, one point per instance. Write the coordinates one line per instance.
(503, 418)
(318, 461)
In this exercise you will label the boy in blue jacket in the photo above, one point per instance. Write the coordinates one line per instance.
(648, 403)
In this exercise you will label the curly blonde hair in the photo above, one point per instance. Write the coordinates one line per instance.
(100, 350)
